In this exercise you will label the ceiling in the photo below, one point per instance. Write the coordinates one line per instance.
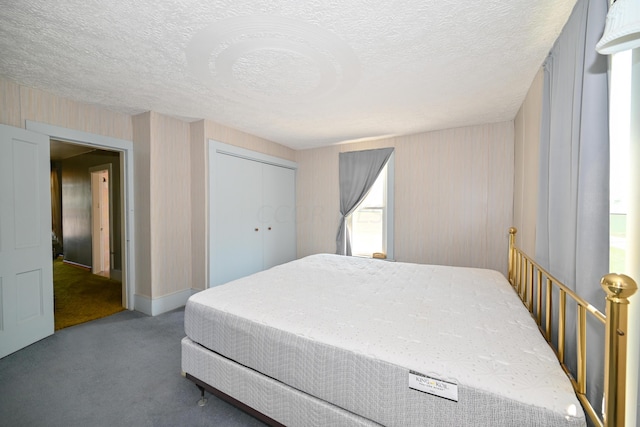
(303, 73)
(63, 150)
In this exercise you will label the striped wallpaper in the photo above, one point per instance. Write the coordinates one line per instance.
(527, 142)
(170, 205)
(453, 196)
(454, 188)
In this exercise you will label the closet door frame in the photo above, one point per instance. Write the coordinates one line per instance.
(216, 152)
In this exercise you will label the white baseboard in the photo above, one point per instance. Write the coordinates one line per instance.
(156, 306)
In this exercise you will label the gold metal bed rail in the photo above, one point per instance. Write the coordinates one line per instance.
(524, 272)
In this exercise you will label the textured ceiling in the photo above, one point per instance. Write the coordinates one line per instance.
(304, 73)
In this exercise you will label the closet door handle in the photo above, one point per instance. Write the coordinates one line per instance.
(256, 229)
(269, 228)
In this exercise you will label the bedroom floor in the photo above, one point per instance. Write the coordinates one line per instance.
(122, 370)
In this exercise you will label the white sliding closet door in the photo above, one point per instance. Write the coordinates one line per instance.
(278, 215)
(237, 229)
(252, 212)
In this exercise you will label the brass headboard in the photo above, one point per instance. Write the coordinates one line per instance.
(524, 272)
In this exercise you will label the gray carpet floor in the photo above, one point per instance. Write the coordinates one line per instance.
(122, 370)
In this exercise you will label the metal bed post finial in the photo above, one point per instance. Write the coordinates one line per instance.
(618, 288)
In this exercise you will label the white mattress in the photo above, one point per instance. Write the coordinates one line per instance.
(349, 330)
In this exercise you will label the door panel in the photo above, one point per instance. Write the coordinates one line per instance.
(236, 229)
(26, 279)
(30, 295)
(278, 215)
(251, 212)
(26, 206)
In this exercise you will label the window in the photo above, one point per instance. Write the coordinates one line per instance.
(619, 125)
(371, 224)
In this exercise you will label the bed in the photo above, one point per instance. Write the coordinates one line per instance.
(335, 340)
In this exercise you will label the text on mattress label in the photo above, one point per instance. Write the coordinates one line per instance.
(432, 385)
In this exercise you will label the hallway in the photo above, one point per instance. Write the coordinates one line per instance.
(80, 296)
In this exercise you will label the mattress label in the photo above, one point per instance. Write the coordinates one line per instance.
(434, 386)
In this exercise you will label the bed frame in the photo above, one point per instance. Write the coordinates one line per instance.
(532, 283)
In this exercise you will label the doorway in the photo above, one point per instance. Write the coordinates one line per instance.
(88, 276)
(127, 206)
(101, 220)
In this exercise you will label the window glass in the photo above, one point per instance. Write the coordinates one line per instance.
(368, 221)
(370, 225)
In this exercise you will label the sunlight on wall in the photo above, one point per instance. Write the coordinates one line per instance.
(620, 124)
(625, 206)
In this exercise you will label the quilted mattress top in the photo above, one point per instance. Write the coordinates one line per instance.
(463, 325)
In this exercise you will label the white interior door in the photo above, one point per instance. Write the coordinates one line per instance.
(26, 271)
(100, 221)
(96, 222)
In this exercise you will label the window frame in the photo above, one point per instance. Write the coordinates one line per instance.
(388, 211)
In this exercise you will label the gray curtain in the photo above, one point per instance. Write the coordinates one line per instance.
(572, 233)
(358, 171)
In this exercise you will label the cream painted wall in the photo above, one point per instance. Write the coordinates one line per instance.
(142, 165)
(170, 205)
(199, 203)
(10, 104)
(20, 103)
(453, 196)
(527, 143)
(163, 209)
(235, 137)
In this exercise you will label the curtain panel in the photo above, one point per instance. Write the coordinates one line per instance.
(572, 231)
(358, 172)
